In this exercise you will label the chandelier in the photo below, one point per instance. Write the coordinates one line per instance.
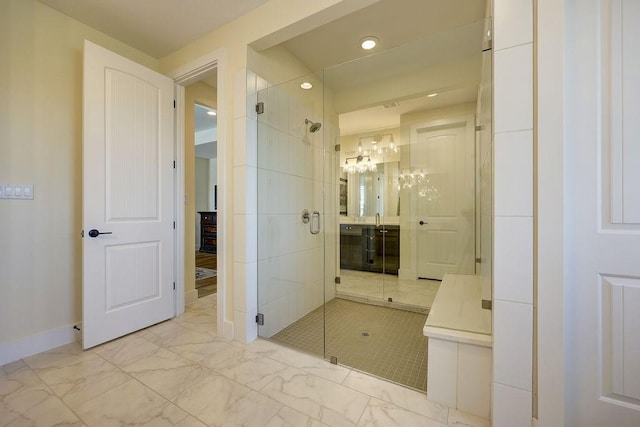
(418, 181)
(377, 144)
(359, 164)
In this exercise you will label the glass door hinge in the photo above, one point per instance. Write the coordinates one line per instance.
(260, 319)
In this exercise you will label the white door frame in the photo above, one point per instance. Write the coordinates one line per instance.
(184, 76)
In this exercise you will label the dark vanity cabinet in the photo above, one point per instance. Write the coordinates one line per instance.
(370, 248)
(209, 232)
(351, 250)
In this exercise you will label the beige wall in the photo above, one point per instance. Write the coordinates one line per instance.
(202, 93)
(41, 143)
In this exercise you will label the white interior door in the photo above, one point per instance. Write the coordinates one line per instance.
(602, 211)
(128, 192)
(444, 199)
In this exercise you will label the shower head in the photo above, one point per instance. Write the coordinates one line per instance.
(315, 127)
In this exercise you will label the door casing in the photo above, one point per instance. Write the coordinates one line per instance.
(184, 76)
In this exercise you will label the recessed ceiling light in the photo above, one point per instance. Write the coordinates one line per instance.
(306, 85)
(211, 113)
(431, 95)
(369, 43)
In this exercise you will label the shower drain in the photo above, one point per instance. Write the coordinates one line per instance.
(364, 334)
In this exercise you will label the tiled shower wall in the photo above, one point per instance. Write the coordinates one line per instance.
(513, 213)
(294, 172)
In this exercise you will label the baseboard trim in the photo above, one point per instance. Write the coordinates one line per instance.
(190, 296)
(34, 344)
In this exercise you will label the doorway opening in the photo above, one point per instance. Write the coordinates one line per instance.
(201, 187)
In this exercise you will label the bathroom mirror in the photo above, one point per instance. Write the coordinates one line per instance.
(373, 192)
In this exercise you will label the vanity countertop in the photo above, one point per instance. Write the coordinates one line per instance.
(369, 220)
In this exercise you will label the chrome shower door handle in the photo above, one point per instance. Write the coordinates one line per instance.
(316, 215)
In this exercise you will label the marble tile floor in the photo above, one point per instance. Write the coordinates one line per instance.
(179, 373)
(378, 288)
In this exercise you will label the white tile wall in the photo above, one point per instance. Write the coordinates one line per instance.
(513, 173)
(513, 88)
(513, 23)
(252, 95)
(239, 134)
(245, 297)
(474, 379)
(513, 252)
(511, 407)
(513, 213)
(245, 195)
(251, 149)
(245, 245)
(442, 381)
(245, 326)
(513, 337)
(245, 212)
(289, 179)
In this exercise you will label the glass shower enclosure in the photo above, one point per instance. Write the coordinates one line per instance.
(357, 225)
(297, 213)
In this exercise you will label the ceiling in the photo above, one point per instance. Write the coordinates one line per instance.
(414, 36)
(393, 22)
(156, 27)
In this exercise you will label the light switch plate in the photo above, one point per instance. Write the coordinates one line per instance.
(27, 191)
(16, 191)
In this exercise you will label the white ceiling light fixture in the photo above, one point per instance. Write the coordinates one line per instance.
(369, 42)
(212, 113)
(306, 85)
(431, 95)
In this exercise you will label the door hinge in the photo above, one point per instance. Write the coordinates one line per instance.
(337, 147)
(174, 225)
(174, 286)
(260, 319)
(479, 128)
(487, 304)
(82, 233)
(479, 260)
(174, 103)
(337, 280)
(174, 164)
(260, 107)
(487, 45)
(333, 360)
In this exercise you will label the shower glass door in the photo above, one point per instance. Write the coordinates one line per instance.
(296, 219)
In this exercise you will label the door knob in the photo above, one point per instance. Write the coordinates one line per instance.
(96, 233)
(422, 223)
